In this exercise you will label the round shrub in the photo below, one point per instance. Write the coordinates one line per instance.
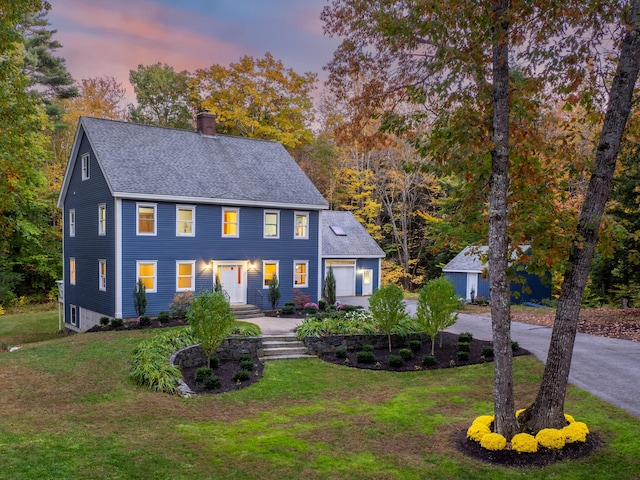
(245, 357)
(117, 322)
(341, 353)
(322, 305)
(524, 443)
(214, 362)
(515, 346)
(395, 361)
(464, 346)
(493, 441)
(164, 317)
(477, 431)
(365, 357)
(241, 376)
(289, 309)
(487, 351)
(575, 432)
(145, 321)
(212, 382)
(428, 360)
(486, 420)
(405, 354)
(203, 373)
(551, 438)
(465, 337)
(415, 345)
(104, 321)
(463, 356)
(311, 309)
(247, 365)
(367, 348)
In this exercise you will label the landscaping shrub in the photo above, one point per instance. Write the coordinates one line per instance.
(366, 357)
(247, 365)
(428, 360)
(515, 346)
(436, 308)
(274, 291)
(180, 305)
(241, 376)
(214, 362)
(487, 351)
(405, 354)
(164, 317)
(367, 348)
(465, 337)
(140, 298)
(203, 373)
(415, 345)
(329, 287)
(117, 322)
(212, 382)
(210, 318)
(300, 299)
(464, 346)
(245, 357)
(311, 308)
(322, 305)
(351, 308)
(245, 329)
(145, 321)
(480, 300)
(395, 361)
(104, 321)
(341, 353)
(289, 308)
(463, 356)
(388, 309)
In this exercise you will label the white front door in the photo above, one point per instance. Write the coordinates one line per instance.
(367, 282)
(233, 279)
(472, 285)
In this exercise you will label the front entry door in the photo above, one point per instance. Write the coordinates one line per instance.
(232, 279)
(367, 282)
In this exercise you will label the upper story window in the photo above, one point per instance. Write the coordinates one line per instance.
(230, 222)
(185, 221)
(271, 224)
(146, 219)
(269, 270)
(72, 222)
(72, 271)
(300, 273)
(102, 219)
(86, 173)
(185, 272)
(102, 272)
(146, 271)
(301, 225)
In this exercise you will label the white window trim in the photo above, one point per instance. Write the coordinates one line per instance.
(264, 224)
(73, 313)
(237, 234)
(295, 229)
(155, 219)
(86, 166)
(102, 280)
(306, 274)
(155, 273)
(193, 220)
(264, 263)
(73, 272)
(102, 222)
(193, 275)
(72, 222)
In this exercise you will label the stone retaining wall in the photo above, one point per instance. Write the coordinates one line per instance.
(230, 349)
(320, 345)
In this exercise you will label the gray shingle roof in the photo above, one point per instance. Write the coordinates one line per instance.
(468, 260)
(356, 243)
(166, 162)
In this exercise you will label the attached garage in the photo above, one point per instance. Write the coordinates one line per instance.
(344, 272)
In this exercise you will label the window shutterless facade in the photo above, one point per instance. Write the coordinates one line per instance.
(269, 269)
(72, 271)
(300, 273)
(271, 224)
(147, 272)
(102, 273)
(301, 225)
(146, 219)
(102, 219)
(73, 312)
(185, 275)
(72, 222)
(230, 222)
(185, 221)
(86, 173)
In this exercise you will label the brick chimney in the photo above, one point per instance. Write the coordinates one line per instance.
(206, 123)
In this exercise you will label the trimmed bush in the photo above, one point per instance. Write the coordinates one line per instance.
(311, 309)
(464, 346)
(341, 353)
(247, 365)
(405, 354)
(242, 375)
(214, 362)
(366, 357)
(465, 337)
(245, 357)
(487, 351)
(367, 348)
(117, 322)
(212, 382)
(415, 345)
(164, 317)
(145, 321)
(322, 305)
(428, 360)
(104, 321)
(395, 361)
(203, 373)
(288, 309)
(515, 346)
(463, 356)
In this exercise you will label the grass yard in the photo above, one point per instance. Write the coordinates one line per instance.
(69, 410)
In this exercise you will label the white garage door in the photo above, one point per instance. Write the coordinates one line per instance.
(345, 280)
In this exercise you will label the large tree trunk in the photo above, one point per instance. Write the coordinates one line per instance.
(504, 407)
(548, 409)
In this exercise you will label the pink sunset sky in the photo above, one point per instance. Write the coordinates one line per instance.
(111, 37)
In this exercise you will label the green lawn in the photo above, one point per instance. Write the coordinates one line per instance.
(69, 410)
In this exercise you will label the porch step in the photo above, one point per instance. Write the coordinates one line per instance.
(282, 347)
(244, 311)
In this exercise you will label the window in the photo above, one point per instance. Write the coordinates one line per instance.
(72, 222)
(72, 271)
(102, 272)
(74, 315)
(146, 271)
(185, 221)
(300, 273)
(85, 167)
(271, 224)
(102, 219)
(269, 270)
(146, 219)
(230, 220)
(185, 276)
(301, 227)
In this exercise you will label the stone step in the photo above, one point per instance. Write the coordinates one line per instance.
(281, 347)
(242, 311)
(269, 352)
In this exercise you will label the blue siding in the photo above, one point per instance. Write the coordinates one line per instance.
(367, 264)
(87, 247)
(208, 245)
(484, 289)
(459, 281)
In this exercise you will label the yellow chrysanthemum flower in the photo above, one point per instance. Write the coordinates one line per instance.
(575, 432)
(569, 418)
(477, 431)
(484, 420)
(518, 412)
(493, 441)
(551, 438)
(524, 443)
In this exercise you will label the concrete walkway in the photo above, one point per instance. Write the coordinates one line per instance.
(608, 368)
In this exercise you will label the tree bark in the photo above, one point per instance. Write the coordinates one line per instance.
(504, 406)
(547, 410)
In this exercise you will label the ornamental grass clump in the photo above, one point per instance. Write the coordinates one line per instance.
(524, 443)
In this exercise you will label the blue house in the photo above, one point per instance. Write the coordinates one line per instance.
(468, 273)
(176, 208)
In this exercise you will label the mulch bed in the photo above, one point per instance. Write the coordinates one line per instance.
(225, 373)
